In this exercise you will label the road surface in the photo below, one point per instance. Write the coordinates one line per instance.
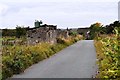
(75, 61)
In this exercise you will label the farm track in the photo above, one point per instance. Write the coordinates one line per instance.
(75, 61)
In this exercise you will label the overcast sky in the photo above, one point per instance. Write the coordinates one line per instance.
(63, 13)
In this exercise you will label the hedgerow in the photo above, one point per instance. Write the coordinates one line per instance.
(16, 59)
(108, 54)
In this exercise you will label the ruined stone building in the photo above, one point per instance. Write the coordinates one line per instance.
(49, 33)
(44, 33)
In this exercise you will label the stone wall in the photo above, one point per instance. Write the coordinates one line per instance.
(49, 33)
(41, 35)
(45, 34)
(62, 33)
(83, 30)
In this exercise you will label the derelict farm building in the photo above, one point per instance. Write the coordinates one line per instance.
(44, 33)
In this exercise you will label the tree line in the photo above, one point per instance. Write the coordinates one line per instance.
(97, 28)
(18, 32)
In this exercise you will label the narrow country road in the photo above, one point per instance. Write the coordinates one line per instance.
(75, 61)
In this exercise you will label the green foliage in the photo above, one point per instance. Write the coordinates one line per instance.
(95, 29)
(8, 32)
(109, 56)
(16, 59)
(73, 33)
(20, 31)
(10, 41)
(109, 28)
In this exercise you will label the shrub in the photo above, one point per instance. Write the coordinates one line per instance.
(17, 58)
(108, 54)
(60, 41)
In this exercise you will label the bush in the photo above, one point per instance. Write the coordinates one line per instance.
(17, 58)
(108, 54)
(60, 41)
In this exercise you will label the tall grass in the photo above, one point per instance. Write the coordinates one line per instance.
(17, 58)
(108, 54)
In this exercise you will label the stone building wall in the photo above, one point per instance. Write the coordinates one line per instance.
(41, 35)
(62, 34)
(45, 34)
(83, 30)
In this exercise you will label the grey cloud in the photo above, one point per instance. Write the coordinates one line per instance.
(63, 14)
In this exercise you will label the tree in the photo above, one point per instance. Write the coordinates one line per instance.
(20, 31)
(112, 26)
(95, 30)
(8, 32)
(73, 33)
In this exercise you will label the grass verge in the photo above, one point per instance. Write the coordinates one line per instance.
(108, 54)
(16, 59)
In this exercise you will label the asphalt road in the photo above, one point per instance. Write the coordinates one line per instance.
(75, 61)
